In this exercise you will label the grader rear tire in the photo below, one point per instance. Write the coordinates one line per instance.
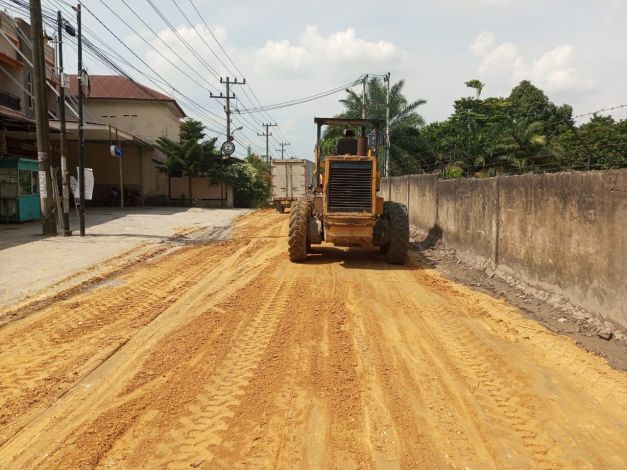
(297, 241)
(399, 233)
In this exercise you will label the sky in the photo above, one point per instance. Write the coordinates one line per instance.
(575, 50)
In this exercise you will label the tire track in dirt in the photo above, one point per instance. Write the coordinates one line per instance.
(497, 375)
(496, 386)
(229, 257)
(209, 416)
(44, 354)
(341, 362)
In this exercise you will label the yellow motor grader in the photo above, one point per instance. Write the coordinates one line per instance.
(343, 206)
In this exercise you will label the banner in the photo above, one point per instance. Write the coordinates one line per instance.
(89, 184)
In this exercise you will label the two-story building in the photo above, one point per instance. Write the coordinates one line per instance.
(119, 103)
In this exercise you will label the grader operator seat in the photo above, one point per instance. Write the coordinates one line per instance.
(347, 145)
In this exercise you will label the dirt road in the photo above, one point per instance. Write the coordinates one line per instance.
(227, 356)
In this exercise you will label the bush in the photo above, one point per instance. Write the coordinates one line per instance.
(452, 172)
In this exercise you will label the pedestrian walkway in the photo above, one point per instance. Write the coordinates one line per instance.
(30, 262)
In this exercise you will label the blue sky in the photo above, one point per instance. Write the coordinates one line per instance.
(575, 50)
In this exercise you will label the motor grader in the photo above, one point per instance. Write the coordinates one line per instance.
(343, 206)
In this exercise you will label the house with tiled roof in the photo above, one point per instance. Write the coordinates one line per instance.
(123, 103)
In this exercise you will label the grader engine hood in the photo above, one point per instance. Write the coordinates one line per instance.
(350, 200)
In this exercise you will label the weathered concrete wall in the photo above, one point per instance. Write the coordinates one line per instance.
(569, 231)
(467, 211)
(564, 232)
(399, 190)
(423, 200)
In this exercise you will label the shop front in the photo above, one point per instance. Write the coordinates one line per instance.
(19, 190)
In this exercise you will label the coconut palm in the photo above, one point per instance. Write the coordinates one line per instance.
(189, 155)
(404, 123)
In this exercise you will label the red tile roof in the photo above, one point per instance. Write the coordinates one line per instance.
(117, 87)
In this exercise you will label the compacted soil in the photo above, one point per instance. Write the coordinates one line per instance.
(226, 355)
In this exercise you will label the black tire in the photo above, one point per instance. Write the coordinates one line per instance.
(399, 232)
(297, 241)
(280, 208)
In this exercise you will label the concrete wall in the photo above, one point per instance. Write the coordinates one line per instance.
(467, 214)
(565, 232)
(146, 119)
(569, 230)
(423, 188)
(202, 190)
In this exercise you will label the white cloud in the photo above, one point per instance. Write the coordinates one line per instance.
(279, 70)
(313, 50)
(553, 70)
(482, 43)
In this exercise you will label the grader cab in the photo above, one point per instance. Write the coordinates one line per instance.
(343, 207)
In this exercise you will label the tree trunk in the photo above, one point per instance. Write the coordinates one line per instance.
(189, 189)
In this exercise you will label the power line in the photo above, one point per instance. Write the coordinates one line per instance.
(601, 110)
(306, 99)
(149, 67)
(213, 71)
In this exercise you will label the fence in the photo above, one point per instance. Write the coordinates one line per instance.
(563, 232)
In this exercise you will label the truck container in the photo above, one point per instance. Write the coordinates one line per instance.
(290, 179)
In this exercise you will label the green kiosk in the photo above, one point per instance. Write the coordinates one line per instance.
(19, 190)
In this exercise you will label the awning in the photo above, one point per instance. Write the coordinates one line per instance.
(24, 129)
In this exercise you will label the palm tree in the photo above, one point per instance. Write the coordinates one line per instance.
(404, 122)
(524, 146)
(477, 85)
(189, 156)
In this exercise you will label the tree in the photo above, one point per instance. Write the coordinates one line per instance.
(188, 156)
(404, 122)
(250, 180)
(477, 85)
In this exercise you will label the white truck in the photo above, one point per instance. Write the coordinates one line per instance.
(290, 179)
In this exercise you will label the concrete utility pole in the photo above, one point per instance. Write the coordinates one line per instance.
(267, 135)
(228, 97)
(63, 138)
(363, 97)
(386, 167)
(48, 221)
(282, 149)
(81, 143)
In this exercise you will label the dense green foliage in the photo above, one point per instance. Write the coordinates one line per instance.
(523, 132)
(405, 123)
(250, 180)
(193, 156)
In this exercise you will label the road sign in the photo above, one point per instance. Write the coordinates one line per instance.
(228, 148)
(116, 151)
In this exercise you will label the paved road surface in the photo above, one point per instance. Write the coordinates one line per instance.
(228, 356)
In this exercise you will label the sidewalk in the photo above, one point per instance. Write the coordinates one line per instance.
(30, 262)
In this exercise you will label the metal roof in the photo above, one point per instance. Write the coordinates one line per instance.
(370, 123)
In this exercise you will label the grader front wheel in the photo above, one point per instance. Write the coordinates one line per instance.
(297, 241)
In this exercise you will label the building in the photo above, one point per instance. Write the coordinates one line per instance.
(17, 111)
(118, 105)
(117, 111)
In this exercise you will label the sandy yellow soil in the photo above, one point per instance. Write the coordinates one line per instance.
(226, 355)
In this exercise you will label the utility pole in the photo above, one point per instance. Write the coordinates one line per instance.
(363, 97)
(48, 221)
(81, 143)
(227, 109)
(386, 165)
(282, 149)
(63, 138)
(228, 97)
(267, 134)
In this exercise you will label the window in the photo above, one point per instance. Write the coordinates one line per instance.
(29, 87)
(25, 182)
(35, 181)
